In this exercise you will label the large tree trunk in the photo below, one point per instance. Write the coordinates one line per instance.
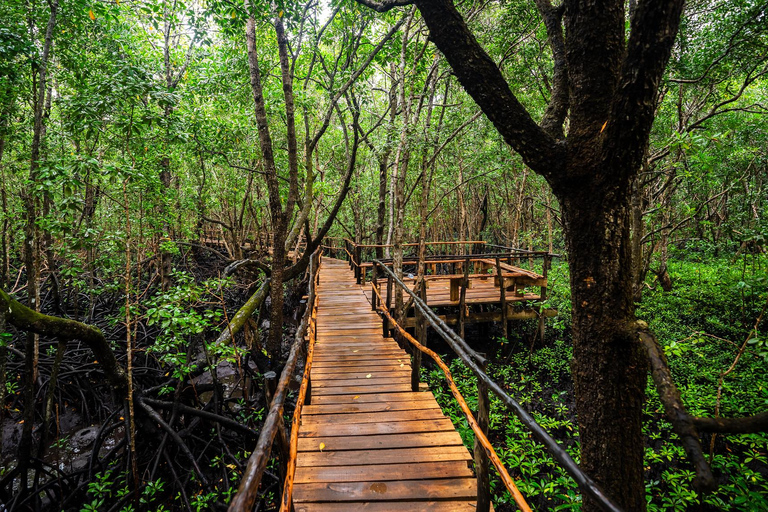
(609, 368)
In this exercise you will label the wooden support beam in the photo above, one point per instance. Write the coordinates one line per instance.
(543, 295)
(482, 462)
(463, 300)
(503, 301)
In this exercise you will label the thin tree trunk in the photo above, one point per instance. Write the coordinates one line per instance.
(31, 251)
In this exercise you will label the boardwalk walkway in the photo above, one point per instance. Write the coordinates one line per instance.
(368, 442)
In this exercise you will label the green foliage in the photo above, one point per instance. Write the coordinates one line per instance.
(181, 319)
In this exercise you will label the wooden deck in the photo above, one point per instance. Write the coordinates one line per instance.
(367, 442)
(482, 290)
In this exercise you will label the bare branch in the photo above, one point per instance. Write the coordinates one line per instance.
(384, 5)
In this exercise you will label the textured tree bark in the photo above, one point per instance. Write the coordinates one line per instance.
(609, 367)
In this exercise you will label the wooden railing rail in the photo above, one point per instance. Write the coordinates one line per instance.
(480, 436)
(248, 490)
(304, 396)
(416, 244)
(471, 359)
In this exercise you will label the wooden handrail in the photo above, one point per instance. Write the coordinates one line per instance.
(416, 244)
(248, 490)
(480, 436)
(290, 473)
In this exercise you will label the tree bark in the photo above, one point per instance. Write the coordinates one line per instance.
(609, 367)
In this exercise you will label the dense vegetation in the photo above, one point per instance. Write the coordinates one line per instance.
(133, 133)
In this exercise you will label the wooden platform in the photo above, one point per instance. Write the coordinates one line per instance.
(482, 290)
(367, 442)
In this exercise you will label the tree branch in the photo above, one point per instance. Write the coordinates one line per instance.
(674, 409)
(30, 320)
(484, 82)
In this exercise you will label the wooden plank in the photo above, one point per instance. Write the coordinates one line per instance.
(383, 506)
(381, 442)
(373, 398)
(363, 374)
(342, 352)
(414, 405)
(367, 429)
(358, 362)
(394, 456)
(379, 472)
(389, 491)
(325, 371)
(373, 417)
(364, 381)
(359, 390)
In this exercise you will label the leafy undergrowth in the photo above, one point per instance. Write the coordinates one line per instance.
(701, 324)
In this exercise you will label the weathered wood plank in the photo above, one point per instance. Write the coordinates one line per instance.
(394, 456)
(410, 440)
(345, 390)
(373, 397)
(400, 506)
(383, 427)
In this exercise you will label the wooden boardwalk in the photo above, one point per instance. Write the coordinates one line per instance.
(367, 442)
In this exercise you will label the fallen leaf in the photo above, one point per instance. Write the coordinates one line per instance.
(91, 15)
(355, 397)
(322, 446)
(401, 365)
(368, 376)
(604, 125)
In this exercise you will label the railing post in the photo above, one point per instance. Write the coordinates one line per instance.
(463, 298)
(422, 338)
(503, 297)
(270, 386)
(359, 271)
(482, 462)
(388, 306)
(374, 284)
(544, 271)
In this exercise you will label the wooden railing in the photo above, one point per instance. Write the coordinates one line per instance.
(247, 492)
(305, 395)
(476, 363)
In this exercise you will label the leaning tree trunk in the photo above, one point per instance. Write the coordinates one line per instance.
(609, 368)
